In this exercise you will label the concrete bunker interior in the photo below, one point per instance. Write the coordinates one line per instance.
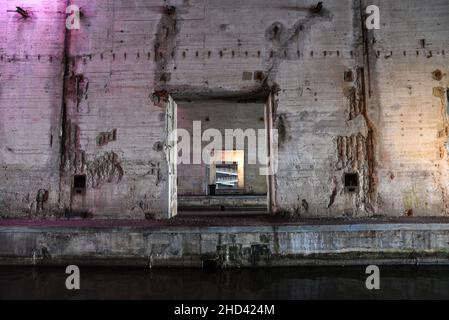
(361, 115)
(228, 179)
(84, 135)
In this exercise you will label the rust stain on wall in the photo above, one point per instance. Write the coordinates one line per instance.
(164, 46)
(73, 158)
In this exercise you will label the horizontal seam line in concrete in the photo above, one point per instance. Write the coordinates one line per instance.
(236, 229)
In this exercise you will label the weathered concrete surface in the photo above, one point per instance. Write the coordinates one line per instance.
(31, 77)
(230, 246)
(217, 203)
(387, 123)
(113, 60)
(409, 121)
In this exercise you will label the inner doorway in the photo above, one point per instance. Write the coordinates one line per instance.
(229, 179)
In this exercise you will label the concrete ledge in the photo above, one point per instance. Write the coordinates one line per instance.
(227, 246)
(229, 202)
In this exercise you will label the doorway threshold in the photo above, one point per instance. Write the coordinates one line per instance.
(221, 204)
(234, 212)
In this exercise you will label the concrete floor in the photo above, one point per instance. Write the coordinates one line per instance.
(215, 218)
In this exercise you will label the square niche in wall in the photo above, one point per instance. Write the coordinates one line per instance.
(351, 182)
(79, 184)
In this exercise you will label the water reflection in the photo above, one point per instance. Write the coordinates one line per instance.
(278, 283)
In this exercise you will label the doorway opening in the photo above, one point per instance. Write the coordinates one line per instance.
(217, 174)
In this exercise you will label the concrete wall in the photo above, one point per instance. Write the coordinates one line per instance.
(238, 246)
(31, 74)
(112, 59)
(386, 124)
(409, 120)
(192, 178)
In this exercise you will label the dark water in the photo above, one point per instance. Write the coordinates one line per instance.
(279, 283)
